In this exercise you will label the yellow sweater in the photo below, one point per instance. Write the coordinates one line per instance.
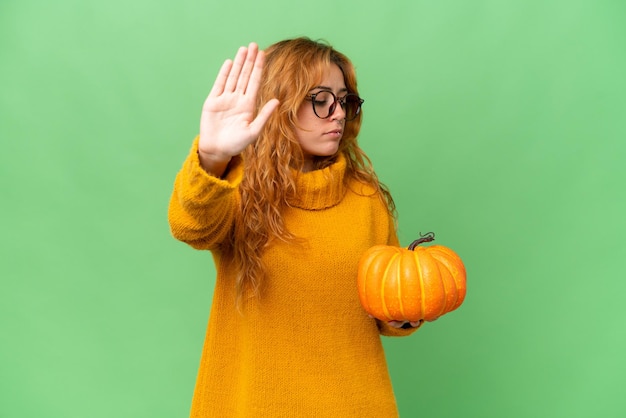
(306, 348)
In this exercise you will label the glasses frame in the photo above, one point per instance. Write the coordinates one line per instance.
(333, 106)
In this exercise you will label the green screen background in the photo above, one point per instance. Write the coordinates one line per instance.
(497, 124)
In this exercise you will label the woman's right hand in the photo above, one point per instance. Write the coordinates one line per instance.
(227, 124)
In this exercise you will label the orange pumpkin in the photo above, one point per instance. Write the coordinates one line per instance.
(411, 284)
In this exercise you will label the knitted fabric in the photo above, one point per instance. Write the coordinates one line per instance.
(305, 347)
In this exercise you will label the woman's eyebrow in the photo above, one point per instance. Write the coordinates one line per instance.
(345, 89)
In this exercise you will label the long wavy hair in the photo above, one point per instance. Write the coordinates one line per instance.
(292, 68)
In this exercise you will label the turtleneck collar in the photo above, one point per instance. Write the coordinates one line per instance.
(320, 189)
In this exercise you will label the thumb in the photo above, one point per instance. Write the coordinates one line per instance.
(263, 116)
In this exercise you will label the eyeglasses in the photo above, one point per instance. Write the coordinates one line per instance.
(325, 104)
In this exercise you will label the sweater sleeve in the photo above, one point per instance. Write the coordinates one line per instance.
(202, 207)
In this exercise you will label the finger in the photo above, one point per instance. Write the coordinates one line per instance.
(220, 80)
(233, 76)
(248, 66)
(255, 76)
(263, 116)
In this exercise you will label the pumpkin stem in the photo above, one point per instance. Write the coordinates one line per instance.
(427, 237)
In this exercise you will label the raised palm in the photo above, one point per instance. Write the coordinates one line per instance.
(228, 124)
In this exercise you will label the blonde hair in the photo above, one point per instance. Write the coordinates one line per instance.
(292, 68)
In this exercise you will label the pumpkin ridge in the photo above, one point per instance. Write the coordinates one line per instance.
(454, 265)
(400, 300)
(421, 281)
(456, 286)
(363, 271)
(444, 305)
(383, 284)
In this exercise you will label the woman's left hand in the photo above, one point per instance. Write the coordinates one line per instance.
(405, 324)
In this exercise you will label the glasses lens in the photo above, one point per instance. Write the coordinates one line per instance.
(324, 104)
(352, 106)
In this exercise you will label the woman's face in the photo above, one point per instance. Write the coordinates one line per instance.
(320, 137)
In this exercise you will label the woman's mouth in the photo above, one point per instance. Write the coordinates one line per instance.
(335, 133)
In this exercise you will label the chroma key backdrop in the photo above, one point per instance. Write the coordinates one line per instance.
(497, 125)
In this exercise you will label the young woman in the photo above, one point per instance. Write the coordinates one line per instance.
(277, 188)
